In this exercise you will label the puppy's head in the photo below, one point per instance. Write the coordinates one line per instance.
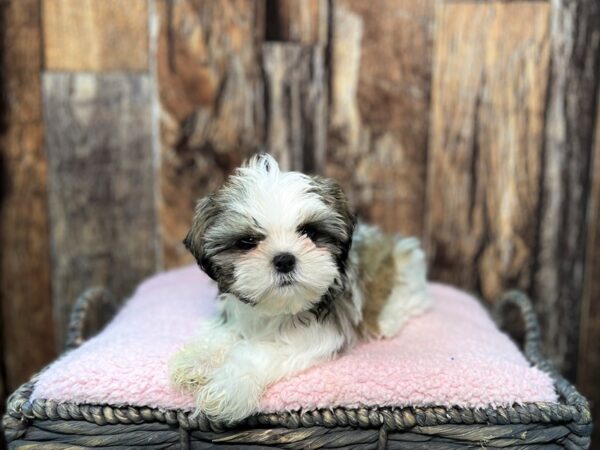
(276, 240)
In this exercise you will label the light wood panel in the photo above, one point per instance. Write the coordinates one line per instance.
(95, 35)
(489, 94)
(379, 112)
(296, 105)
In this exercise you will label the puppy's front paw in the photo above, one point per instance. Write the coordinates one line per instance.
(187, 371)
(230, 397)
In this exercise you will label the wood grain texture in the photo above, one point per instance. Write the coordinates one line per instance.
(98, 141)
(588, 371)
(380, 83)
(95, 35)
(27, 333)
(570, 120)
(487, 135)
(296, 105)
(302, 21)
(211, 92)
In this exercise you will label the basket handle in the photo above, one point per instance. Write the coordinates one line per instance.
(533, 333)
(96, 298)
(533, 343)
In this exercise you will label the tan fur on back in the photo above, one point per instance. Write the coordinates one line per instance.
(377, 271)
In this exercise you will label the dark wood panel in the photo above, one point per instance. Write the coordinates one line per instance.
(27, 332)
(489, 93)
(379, 113)
(211, 91)
(303, 21)
(296, 105)
(570, 120)
(99, 142)
(96, 35)
(588, 372)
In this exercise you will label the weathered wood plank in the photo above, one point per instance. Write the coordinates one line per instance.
(588, 371)
(95, 35)
(99, 146)
(302, 21)
(489, 94)
(211, 91)
(25, 294)
(296, 105)
(570, 120)
(380, 81)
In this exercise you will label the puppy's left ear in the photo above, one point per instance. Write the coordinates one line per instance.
(205, 214)
(333, 195)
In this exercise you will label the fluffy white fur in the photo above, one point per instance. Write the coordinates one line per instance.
(408, 297)
(231, 364)
(272, 324)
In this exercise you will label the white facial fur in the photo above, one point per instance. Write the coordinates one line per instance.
(256, 279)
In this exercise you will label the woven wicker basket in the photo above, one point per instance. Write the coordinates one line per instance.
(47, 424)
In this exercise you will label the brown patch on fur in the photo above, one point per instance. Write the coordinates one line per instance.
(377, 272)
(376, 293)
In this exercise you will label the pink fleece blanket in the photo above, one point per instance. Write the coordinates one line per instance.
(452, 355)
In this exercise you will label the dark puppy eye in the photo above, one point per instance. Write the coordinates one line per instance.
(310, 231)
(246, 243)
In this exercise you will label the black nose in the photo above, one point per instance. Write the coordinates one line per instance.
(284, 262)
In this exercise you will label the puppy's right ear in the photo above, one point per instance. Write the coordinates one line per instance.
(195, 242)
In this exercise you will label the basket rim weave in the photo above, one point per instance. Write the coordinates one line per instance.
(572, 408)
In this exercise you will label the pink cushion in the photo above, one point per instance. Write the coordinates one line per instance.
(452, 355)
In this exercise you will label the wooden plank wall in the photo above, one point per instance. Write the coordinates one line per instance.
(25, 292)
(379, 112)
(570, 122)
(588, 372)
(272, 96)
(99, 141)
(489, 92)
(467, 123)
(98, 132)
(93, 36)
(212, 115)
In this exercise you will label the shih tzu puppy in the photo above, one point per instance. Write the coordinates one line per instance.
(299, 281)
